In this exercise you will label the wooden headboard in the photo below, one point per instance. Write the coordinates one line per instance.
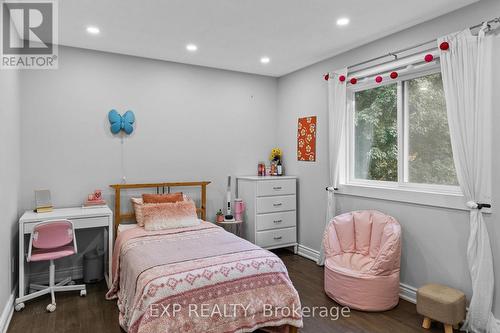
(161, 188)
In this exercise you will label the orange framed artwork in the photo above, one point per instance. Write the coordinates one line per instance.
(306, 139)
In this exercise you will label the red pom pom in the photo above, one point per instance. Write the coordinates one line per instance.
(429, 57)
(354, 80)
(378, 79)
(444, 46)
(394, 75)
(327, 76)
(341, 78)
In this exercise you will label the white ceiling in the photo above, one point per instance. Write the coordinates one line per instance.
(235, 34)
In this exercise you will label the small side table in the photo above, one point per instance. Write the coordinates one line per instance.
(234, 227)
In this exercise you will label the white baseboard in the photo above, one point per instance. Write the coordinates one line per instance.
(406, 292)
(75, 273)
(8, 311)
(308, 253)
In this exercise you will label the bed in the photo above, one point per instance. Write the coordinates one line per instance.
(198, 278)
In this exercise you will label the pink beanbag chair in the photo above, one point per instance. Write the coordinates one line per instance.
(363, 254)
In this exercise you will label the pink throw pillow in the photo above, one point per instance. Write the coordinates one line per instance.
(169, 215)
(162, 198)
(137, 203)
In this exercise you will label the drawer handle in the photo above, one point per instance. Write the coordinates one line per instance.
(278, 221)
(277, 204)
(277, 237)
(276, 188)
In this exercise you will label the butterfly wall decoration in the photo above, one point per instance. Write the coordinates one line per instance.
(121, 123)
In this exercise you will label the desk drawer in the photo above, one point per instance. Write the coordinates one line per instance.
(276, 220)
(275, 204)
(276, 187)
(89, 222)
(271, 238)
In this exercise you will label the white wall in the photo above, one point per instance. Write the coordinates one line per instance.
(198, 123)
(193, 123)
(434, 239)
(9, 179)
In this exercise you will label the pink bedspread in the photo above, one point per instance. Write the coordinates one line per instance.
(199, 279)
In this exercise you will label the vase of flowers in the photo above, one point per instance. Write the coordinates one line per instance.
(275, 158)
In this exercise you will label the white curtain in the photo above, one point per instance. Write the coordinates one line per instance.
(466, 68)
(337, 107)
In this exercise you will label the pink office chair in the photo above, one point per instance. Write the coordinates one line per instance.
(51, 240)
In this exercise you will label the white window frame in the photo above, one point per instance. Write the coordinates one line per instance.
(448, 196)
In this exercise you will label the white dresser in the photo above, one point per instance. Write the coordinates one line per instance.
(271, 210)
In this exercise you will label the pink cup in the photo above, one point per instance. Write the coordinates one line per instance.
(239, 209)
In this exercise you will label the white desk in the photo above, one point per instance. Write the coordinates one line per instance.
(81, 218)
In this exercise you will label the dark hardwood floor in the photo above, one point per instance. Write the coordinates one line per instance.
(307, 278)
(93, 314)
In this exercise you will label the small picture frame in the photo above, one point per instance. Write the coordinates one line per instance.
(43, 201)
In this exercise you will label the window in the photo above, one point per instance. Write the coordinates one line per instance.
(429, 157)
(376, 134)
(398, 134)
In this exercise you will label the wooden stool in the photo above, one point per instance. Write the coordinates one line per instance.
(441, 303)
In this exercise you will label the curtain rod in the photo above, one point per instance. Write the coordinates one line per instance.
(395, 53)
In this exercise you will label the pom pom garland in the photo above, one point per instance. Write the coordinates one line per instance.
(429, 57)
(444, 46)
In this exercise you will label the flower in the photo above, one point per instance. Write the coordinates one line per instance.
(275, 154)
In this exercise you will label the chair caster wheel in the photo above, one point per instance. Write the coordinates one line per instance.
(19, 307)
(83, 293)
(51, 307)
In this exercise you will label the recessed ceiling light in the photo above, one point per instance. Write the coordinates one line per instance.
(343, 21)
(191, 47)
(93, 30)
(265, 60)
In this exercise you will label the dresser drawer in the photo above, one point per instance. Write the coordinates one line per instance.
(276, 187)
(276, 220)
(275, 204)
(271, 238)
(80, 223)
